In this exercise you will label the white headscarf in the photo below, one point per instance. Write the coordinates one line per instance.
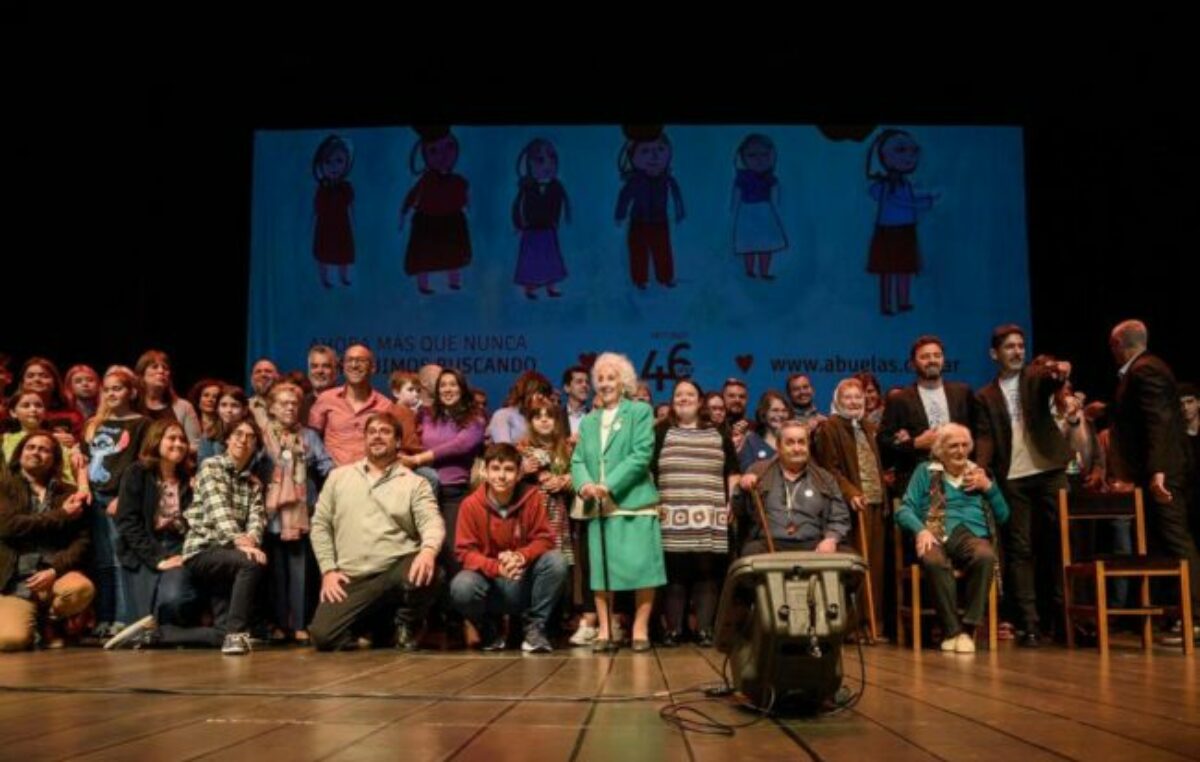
(836, 408)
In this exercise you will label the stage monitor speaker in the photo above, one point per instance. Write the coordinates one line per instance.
(782, 620)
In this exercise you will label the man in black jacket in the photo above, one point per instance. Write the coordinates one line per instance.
(1151, 438)
(1018, 441)
(913, 414)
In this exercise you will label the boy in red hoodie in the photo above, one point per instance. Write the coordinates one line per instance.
(506, 547)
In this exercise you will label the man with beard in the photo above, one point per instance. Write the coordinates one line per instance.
(376, 534)
(913, 414)
(1020, 443)
(800, 392)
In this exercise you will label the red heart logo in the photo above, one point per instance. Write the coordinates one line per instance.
(587, 359)
(744, 362)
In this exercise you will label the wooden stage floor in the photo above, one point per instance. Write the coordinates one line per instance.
(290, 704)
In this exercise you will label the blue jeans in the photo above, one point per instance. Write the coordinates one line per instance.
(482, 600)
(112, 596)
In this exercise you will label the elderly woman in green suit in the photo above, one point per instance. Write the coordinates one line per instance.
(611, 470)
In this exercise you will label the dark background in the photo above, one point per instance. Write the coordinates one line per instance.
(128, 168)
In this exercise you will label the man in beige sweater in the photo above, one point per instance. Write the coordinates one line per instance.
(376, 534)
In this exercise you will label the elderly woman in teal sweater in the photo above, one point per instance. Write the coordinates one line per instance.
(952, 507)
(610, 469)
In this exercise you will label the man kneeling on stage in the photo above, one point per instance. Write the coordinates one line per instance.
(804, 506)
(376, 534)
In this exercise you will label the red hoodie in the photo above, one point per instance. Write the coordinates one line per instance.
(482, 533)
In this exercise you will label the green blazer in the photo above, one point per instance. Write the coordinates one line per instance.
(626, 457)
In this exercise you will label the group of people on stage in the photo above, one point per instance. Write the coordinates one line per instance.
(326, 512)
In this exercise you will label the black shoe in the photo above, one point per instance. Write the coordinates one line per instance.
(406, 639)
(1029, 640)
(603, 646)
(491, 636)
(704, 639)
(669, 640)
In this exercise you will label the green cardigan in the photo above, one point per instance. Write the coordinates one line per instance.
(626, 457)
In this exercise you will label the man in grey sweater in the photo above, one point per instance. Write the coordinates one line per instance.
(376, 534)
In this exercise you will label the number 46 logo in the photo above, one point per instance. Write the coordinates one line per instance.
(678, 366)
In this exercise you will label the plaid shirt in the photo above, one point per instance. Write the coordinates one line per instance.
(228, 503)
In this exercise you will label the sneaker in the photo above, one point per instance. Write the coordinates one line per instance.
(131, 635)
(584, 635)
(1171, 638)
(236, 644)
(949, 645)
(536, 642)
(491, 638)
(51, 637)
(406, 638)
(963, 644)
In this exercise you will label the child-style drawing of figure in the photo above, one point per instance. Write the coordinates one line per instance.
(438, 240)
(333, 217)
(895, 256)
(645, 167)
(540, 204)
(757, 231)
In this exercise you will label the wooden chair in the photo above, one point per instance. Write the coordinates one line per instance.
(1106, 506)
(910, 608)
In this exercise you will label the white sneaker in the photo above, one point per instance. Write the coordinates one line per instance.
(949, 645)
(963, 644)
(236, 644)
(584, 634)
(129, 634)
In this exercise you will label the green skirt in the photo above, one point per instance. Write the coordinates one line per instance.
(634, 549)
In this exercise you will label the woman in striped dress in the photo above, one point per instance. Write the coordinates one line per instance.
(694, 464)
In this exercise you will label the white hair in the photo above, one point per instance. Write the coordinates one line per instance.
(624, 368)
(943, 435)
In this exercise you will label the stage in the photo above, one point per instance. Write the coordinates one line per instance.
(291, 704)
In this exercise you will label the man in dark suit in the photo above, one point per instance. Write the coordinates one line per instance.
(1018, 441)
(912, 414)
(1151, 439)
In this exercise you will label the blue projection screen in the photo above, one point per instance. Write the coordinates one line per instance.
(704, 251)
